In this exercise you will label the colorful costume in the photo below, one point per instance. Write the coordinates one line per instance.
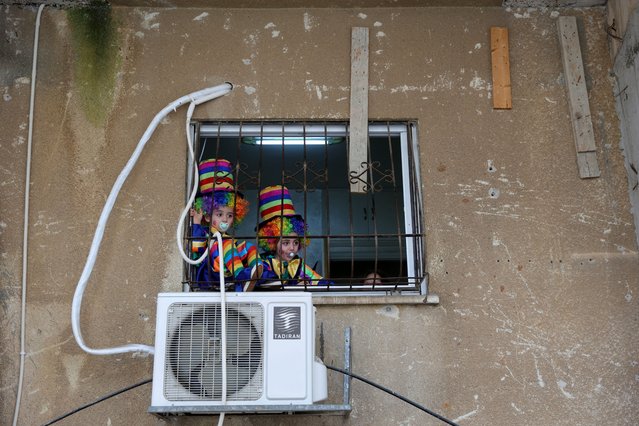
(293, 272)
(278, 220)
(239, 257)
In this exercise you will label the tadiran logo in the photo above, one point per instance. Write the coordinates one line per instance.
(287, 322)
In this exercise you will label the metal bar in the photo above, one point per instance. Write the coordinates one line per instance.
(305, 195)
(186, 235)
(326, 200)
(350, 214)
(259, 183)
(371, 195)
(399, 198)
(418, 217)
(272, 128)
(249, 409)
(347, 367)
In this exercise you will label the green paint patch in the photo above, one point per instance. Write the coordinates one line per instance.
(96, 47)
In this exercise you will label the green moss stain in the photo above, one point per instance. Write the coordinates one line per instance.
(96, 62)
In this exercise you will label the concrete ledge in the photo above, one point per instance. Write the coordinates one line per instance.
(430, 299)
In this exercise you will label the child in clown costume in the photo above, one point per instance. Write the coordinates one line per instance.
(281, 234)
(219, 208)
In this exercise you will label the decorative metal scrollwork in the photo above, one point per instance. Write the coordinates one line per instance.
(376, 175)
(306, 177)
(243, 178)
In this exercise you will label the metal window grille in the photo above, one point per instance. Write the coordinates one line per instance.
(350, 234)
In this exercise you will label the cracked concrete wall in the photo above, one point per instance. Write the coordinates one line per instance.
(537, 283)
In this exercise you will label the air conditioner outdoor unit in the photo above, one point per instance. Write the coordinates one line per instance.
(270, 354)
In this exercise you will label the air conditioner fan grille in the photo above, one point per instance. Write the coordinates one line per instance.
(193, 367)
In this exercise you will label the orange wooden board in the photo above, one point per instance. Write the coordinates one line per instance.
(502, 96)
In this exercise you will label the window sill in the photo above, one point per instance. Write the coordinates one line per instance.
(417, 299)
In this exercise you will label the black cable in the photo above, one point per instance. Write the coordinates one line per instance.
(105, 397)
(395, 394)
(330, 367)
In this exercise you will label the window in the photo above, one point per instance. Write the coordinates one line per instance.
(350, 234)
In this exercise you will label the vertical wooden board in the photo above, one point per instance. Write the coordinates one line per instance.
(576, 84)
(587, 164)
(619, 12)
(358, 129)
(502, 96)
(626, 69)
(553, 3)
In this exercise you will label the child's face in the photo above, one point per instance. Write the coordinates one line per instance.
(222, 218)
(288, 247)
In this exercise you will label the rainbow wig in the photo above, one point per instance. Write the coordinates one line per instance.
(202, 204)
(281, 227)
(224, 199)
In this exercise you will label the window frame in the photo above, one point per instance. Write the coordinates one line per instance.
(414, 239)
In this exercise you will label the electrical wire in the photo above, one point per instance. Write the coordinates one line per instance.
(393, 393)
(218, 237)
(221, 419)
(25, 235)
(104, 398)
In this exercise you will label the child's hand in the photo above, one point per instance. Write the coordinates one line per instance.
(197, 216)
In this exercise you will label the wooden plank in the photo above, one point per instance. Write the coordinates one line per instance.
(358, 129)
(587, 164)
(502, 96)
(619, 12)
(577, 93)
(626, 69)
(576, 83)
(553, 3)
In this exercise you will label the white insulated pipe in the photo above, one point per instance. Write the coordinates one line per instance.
(25, 235)
(195, 98)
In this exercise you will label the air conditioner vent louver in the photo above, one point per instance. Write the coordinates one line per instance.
(193, 369)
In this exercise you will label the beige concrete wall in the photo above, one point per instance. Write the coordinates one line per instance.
(538, 287)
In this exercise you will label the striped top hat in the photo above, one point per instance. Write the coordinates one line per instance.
(216, 174)
(275, 201)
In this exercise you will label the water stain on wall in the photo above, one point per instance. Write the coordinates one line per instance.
(96, 48)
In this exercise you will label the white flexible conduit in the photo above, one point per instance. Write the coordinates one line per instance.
(25, 235)
(217, 235)
(180, 227)
(195, 97)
